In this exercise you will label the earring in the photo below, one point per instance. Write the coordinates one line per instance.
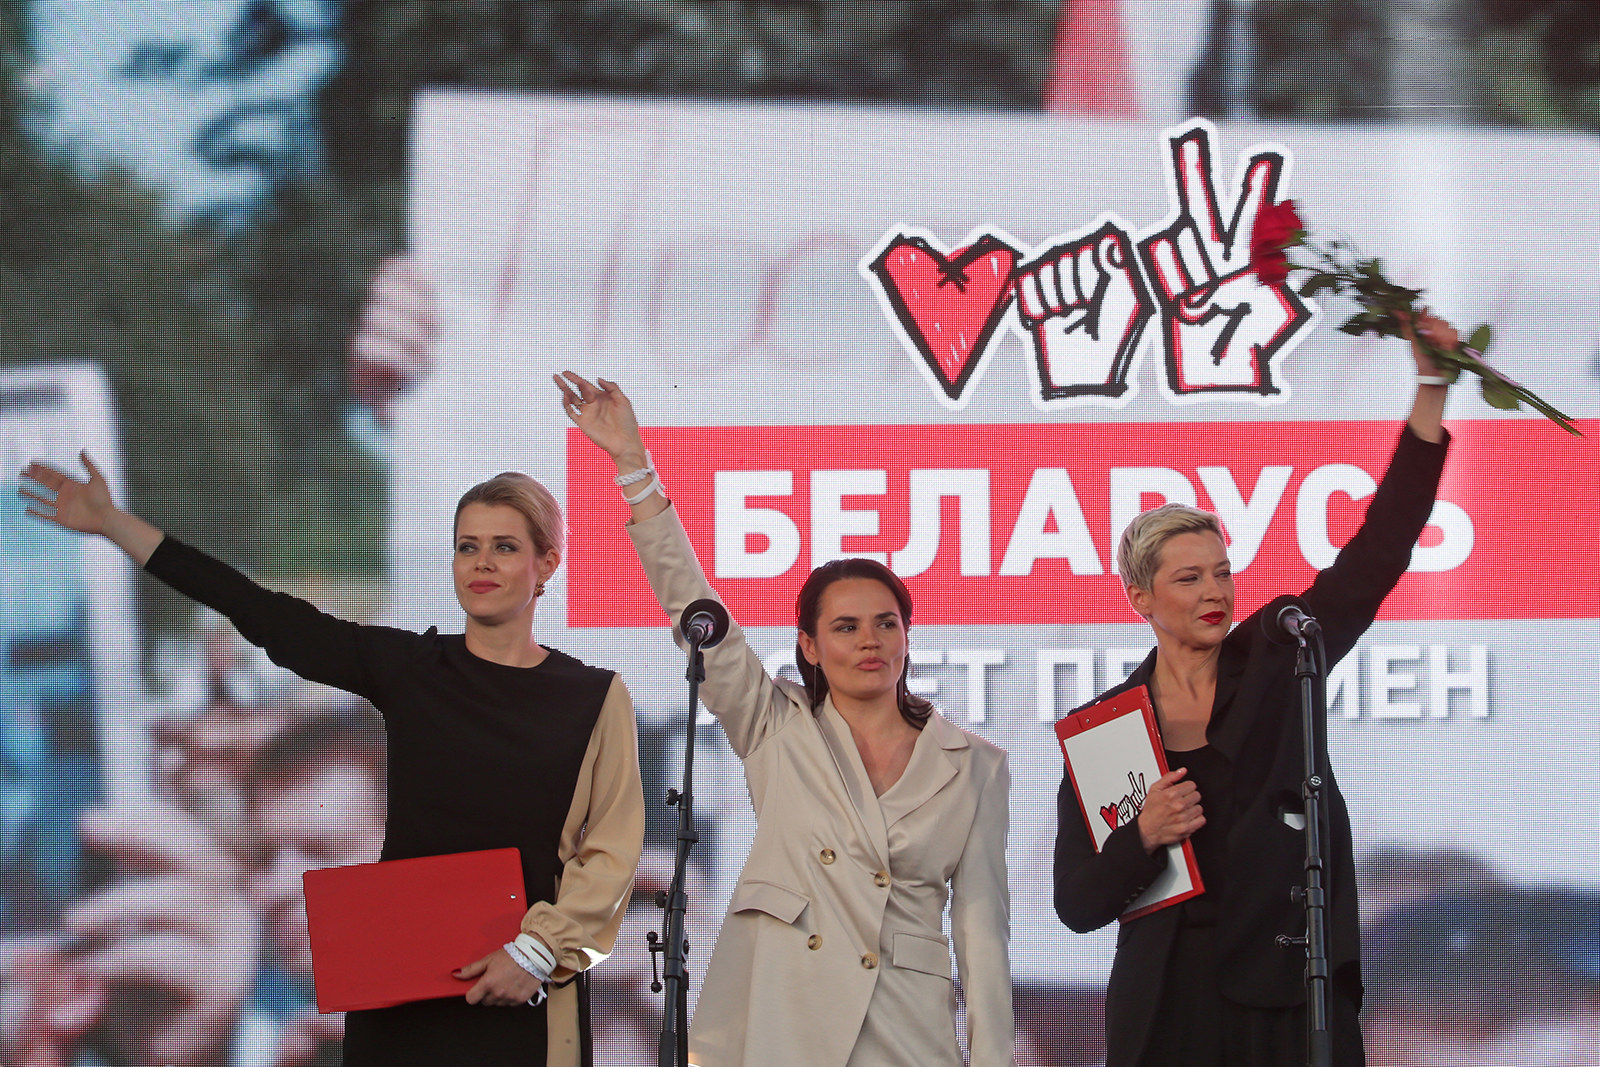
(538, 590)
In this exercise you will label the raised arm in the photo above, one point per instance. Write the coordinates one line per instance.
(737, 689)
(295, 634)
(605, 415)
(1346, 596)
(1427, 410)
(87, 508)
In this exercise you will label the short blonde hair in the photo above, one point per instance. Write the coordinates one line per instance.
(516, 490)
(1139, 551)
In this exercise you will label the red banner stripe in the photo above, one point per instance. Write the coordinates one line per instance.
(1530, 494)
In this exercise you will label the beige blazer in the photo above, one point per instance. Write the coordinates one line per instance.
(833, 949)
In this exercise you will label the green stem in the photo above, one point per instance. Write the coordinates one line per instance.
(1376, 294)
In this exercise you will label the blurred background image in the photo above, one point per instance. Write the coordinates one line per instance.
(265, 260)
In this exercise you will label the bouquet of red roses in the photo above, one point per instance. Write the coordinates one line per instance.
(1338, 267)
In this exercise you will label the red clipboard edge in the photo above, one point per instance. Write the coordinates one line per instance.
(1126, 703)
(1194, 874)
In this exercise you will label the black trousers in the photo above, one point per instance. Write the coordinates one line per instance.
(445, 1033)
(1196, 1026)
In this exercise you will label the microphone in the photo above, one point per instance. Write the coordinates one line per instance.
(704, 623)
(1285, 622)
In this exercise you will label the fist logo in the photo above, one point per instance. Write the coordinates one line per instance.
(1085, 307)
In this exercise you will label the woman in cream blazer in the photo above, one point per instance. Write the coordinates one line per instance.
(833, 950)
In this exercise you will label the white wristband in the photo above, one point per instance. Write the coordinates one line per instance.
(532, 957)
(537, 951)
(1432, 379)
(521, 959)
(652, 486)
(633, 477)
(530, 954)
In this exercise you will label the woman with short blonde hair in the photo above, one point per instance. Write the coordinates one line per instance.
(1139, 550)
(1207, 982)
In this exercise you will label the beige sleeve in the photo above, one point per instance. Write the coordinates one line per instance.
(980, 921)
(750, 706)
(600, 845)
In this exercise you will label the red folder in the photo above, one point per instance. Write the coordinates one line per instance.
(390, 933)
(1114, 753)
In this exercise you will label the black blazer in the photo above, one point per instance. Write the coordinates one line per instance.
(1255, 723)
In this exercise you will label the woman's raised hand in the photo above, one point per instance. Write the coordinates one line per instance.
(87, 508)
(1431, 328)
(80, 506)
(605, 415)
(1427, 410)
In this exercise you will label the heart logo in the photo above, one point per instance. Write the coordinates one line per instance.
(947, 304)
(1108, 812)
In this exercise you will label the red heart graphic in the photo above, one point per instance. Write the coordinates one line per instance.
(1109, 814)
(948, 305)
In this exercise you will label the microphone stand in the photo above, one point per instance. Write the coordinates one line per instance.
(673, 1049)
(1313, 715)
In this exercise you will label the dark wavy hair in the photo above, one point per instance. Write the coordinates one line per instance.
(808, 608)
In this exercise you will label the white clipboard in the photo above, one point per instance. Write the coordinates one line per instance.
(1114, 754)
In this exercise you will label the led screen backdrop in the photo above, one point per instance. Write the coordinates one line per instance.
(829, 320)
(715, 261)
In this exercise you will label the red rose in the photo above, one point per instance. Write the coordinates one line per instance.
(1271, 269)
(1276, 225)
(1276, 228)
